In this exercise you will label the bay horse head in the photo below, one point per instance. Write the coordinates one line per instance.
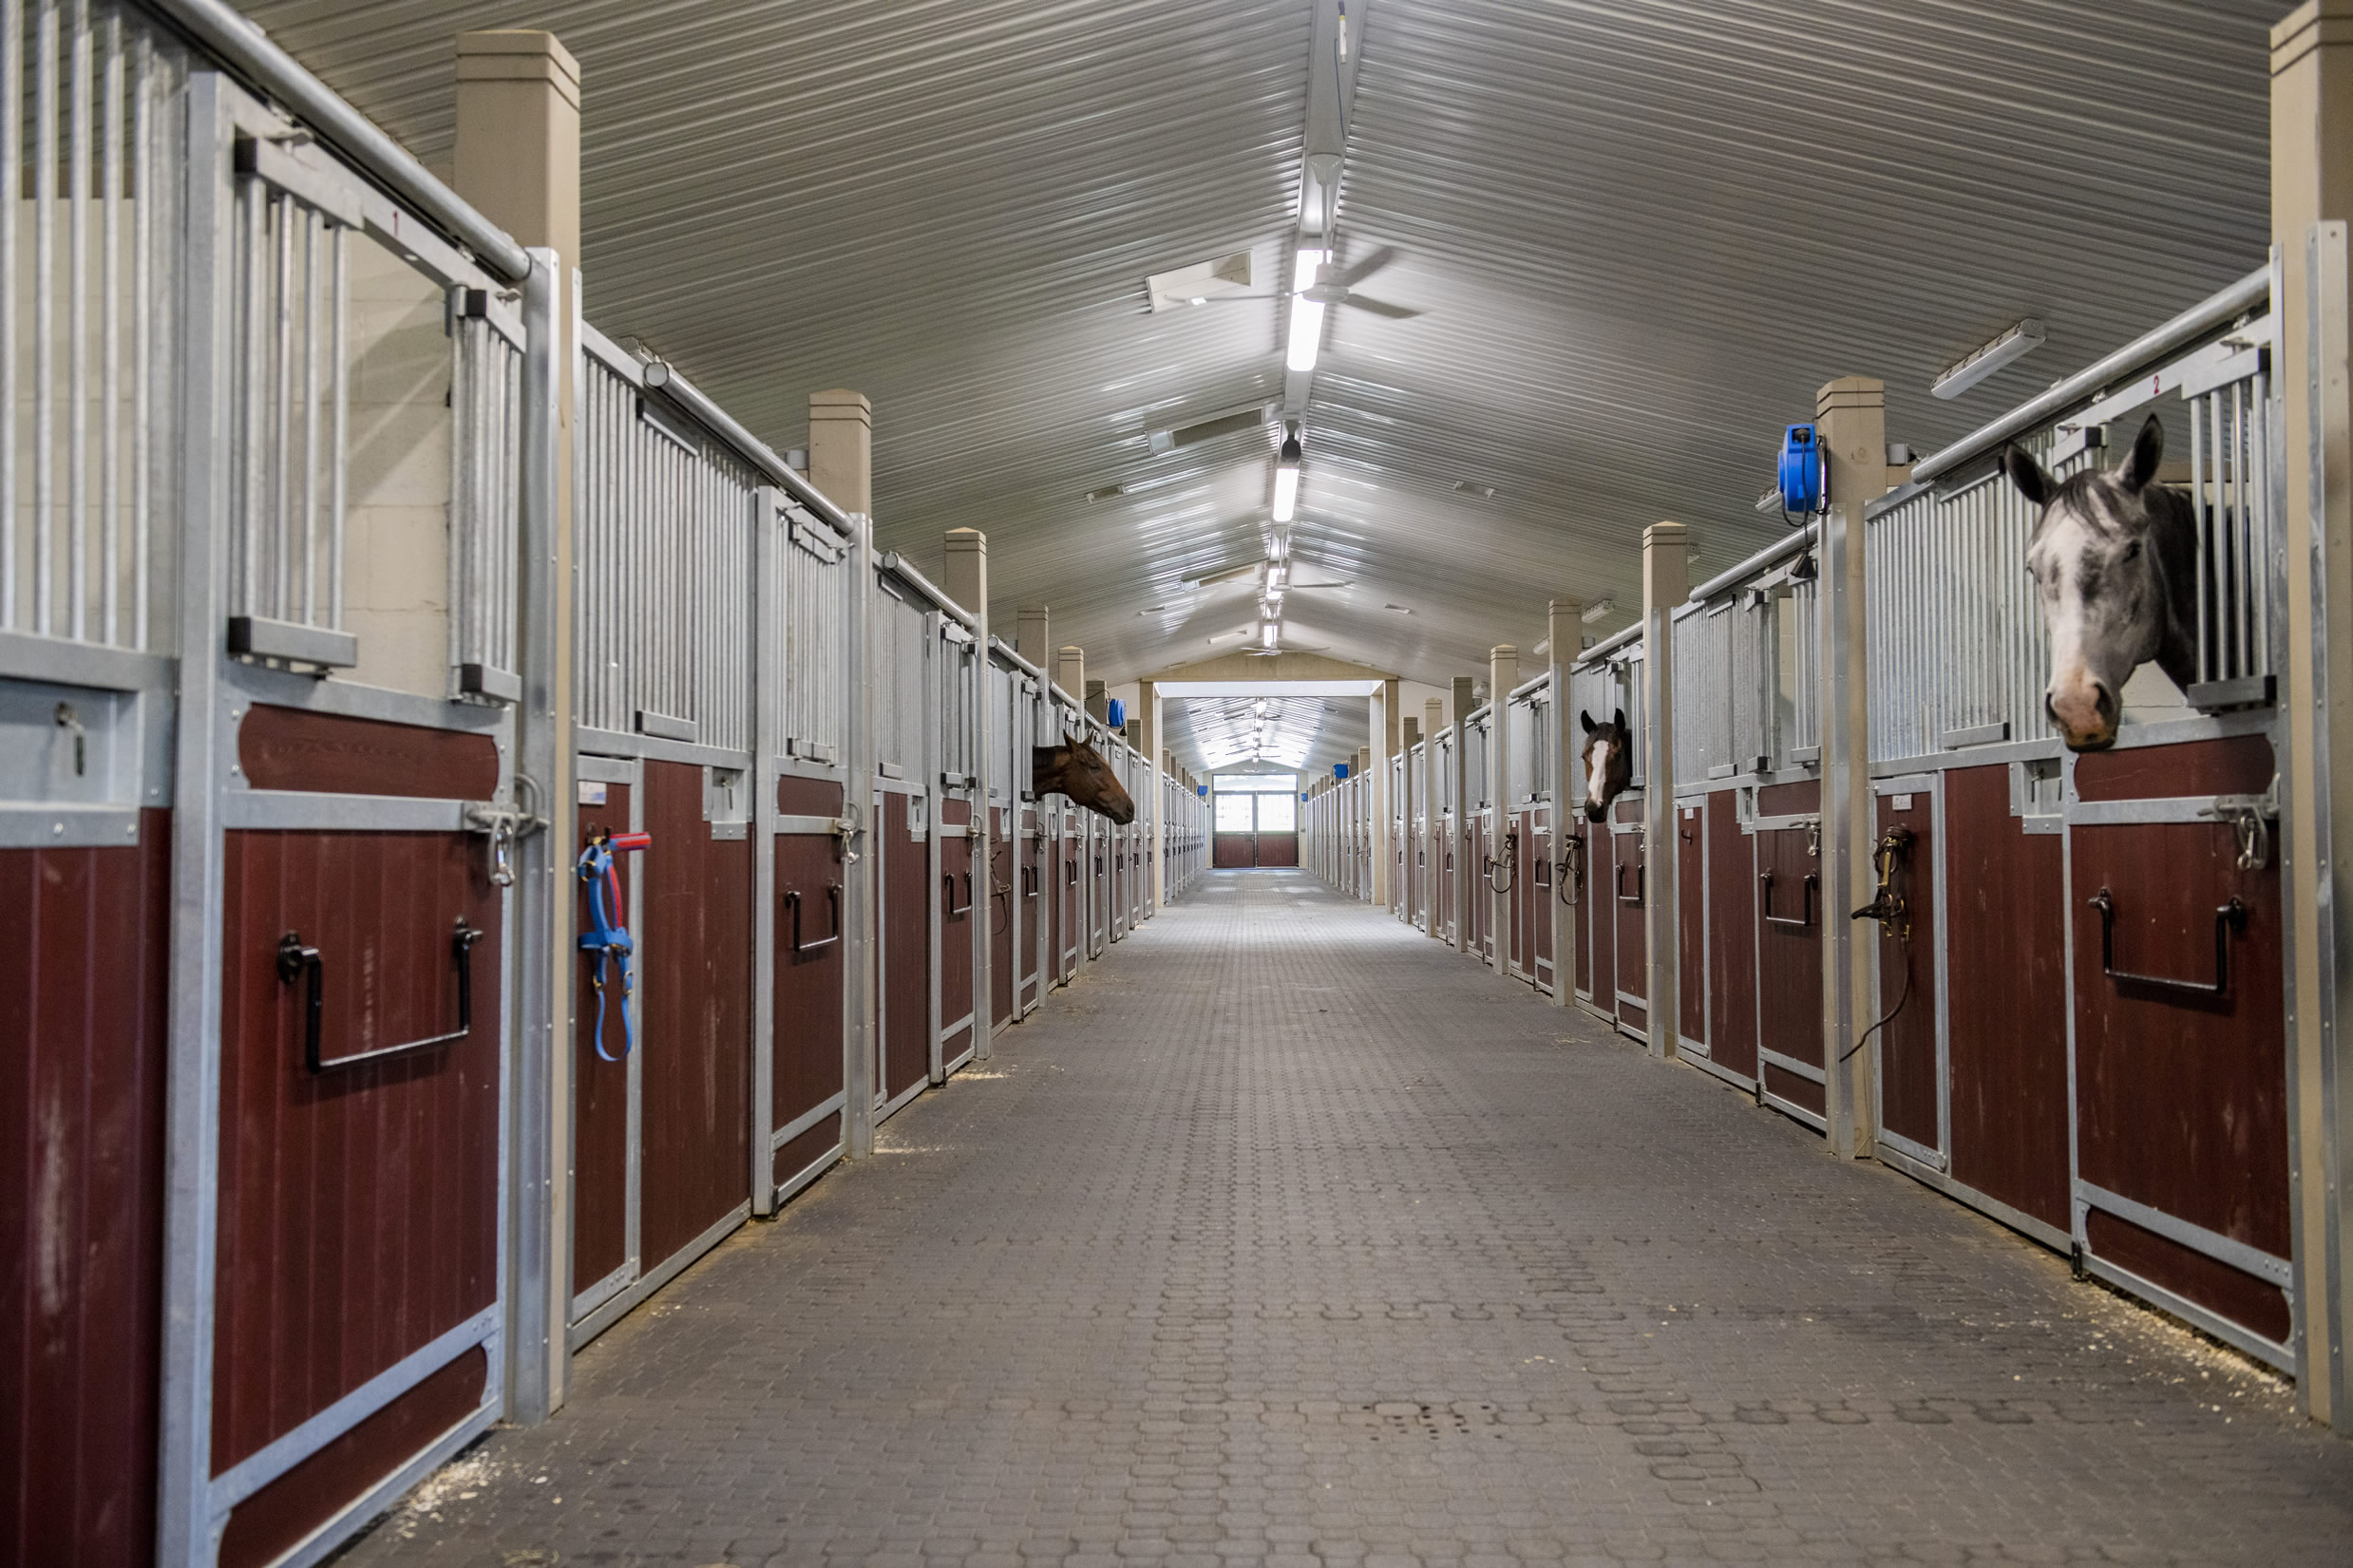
(2114, 563)
(1076, 768)
(1609, 761)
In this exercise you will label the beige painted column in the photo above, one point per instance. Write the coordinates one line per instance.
(1666, 579)
(1564, 636)
(1030, 637)
(841, 448)
(1377, 785)
(2312, 183)
(964, 578)
(517, 162)
(1850, 414)
(1098, 700)
(1503, 673)
(1070, 672)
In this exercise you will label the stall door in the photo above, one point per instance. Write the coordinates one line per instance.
(1910, 1043)
(1789, 949)
(953, 900)
(1629, 888)
(2181, 1064)
(808, 1098)
(905, 896)
(1730, 911)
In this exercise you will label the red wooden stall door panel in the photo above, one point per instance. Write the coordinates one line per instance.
(1629, 896)
(696, 1076)
(1278, 849)
(81, 1071)
(358, 1208)
(2005, 957)
(1731, 938)
(1788, 945)
(1691, 998)
(1906, 1043)
(1601, 917)
(960, 901)
(906, 952)
(600, 1089)
(2182, 1099)
(1007, 908)
(809, 1060)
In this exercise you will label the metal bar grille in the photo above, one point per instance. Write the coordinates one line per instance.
(89, 164)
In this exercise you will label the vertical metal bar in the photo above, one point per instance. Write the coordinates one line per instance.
(192, 1103)
(338, 460)
(45, 320)
(12, 209)
(110, 308)
(283, 213)
(310, 236)
(535, 1331)
(2250, 574)
(147, 147)
(77, 519)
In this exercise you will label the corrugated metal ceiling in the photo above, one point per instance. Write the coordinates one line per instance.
(1642, 234)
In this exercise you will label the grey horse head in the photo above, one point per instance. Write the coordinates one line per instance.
(2113, 558)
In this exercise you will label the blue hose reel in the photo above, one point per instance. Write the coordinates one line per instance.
(1804, 492)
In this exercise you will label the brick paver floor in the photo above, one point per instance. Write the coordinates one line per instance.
(1287, 1236)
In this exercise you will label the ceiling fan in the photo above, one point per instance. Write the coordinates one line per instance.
(1336, 285)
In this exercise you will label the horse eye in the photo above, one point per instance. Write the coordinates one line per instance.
(2132, 550)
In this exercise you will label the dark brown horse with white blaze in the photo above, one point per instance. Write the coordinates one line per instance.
(1076, 770)
(1609, 761)
(2114, 563)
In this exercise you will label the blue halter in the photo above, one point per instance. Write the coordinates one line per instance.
(606, 938)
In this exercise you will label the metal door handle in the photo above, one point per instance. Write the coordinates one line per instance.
(296, 961)
(2227, 919)
(953, 908)
(1618, 880)
(1764, 900)
(792, 901)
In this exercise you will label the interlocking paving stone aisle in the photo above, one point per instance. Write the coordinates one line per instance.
(1288, 1236)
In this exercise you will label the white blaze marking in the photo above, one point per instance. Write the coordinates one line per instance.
(1596, 771)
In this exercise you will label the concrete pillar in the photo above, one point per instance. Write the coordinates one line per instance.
(964, 578)
(1098, 702)
(1850, 415)
(841, 448)
(1070, 672)
(1030, 637)
(1503, 673)
(2312, 183)
(517, 162)
(1666, 579)
(1563, 630)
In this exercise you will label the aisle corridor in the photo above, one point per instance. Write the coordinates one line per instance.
(1287, 1236)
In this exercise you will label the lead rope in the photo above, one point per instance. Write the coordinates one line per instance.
(604, 937)
(1888, 908)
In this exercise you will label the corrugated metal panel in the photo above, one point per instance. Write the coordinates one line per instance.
(1641, 235)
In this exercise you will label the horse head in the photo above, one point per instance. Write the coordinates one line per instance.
(1609, 761)
(1076, 770)
(2114, 561)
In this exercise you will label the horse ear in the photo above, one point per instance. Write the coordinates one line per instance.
(2140, 464)
(1585, 719)
(2027, 475)
(1618, 718)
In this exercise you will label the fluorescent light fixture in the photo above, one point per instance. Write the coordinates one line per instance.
(1306, 315)
(1597, 610)
(1288, 480)
(1974, 366)
(1269, 634)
